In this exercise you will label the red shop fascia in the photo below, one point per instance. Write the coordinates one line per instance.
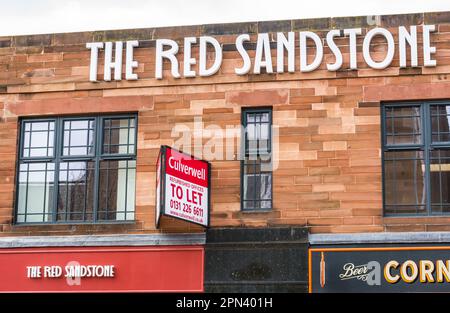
(117, 263)
(158, 262)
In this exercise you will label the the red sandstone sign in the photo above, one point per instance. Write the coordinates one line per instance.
(102, 269)
(408, 38)
(182, 187)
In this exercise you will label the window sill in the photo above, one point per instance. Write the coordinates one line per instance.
(423, 219)
(257, 214)
(108, 223)
(256, 211)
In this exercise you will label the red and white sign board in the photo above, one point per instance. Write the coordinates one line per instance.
(183, 187)
(158, 189)
(102, 269)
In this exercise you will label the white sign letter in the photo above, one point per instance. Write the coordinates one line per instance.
(94, 46)
(203, 56)
(427, 49)
(263, 46)
(168, 54)
(109, 64)
(366, 48)
(130, 63)
(289, 44)
(352, 32)
(240, 47)
(188, 60)
(411, 38)
(304, 66)
(334, 48)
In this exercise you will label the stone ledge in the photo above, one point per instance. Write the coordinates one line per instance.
(385, 238)
(178, 32)
(241, 235)
(102, 240)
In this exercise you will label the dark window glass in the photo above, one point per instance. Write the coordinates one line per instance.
(440, 123)
(257, 166)
(35, 192)
(119, 136)
(403, 125)
(257, 184)
(73, 179)
(440, 181)
(417, 159)
(117, 186)
(405, 182)
(38, 139)
(78, 137)
(76, 187)
(257, 132)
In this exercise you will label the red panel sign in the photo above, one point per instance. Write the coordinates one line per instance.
(183, 189)
(102, 269)
(187, 168)
(158, 189)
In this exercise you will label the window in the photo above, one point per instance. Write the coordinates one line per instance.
(76, 169)
(416, 158)
(256, 168)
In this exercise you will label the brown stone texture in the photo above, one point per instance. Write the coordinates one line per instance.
(328, 177)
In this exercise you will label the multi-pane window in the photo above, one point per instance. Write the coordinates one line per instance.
(117, 135)
(38, 139)
(78, 137)
(77, 169)
(256, 167)
(416, 156)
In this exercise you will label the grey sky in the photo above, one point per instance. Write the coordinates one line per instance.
(52, 16)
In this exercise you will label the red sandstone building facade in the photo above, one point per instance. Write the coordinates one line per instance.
(360, 153)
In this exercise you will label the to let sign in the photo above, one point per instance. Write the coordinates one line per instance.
(183, 186)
